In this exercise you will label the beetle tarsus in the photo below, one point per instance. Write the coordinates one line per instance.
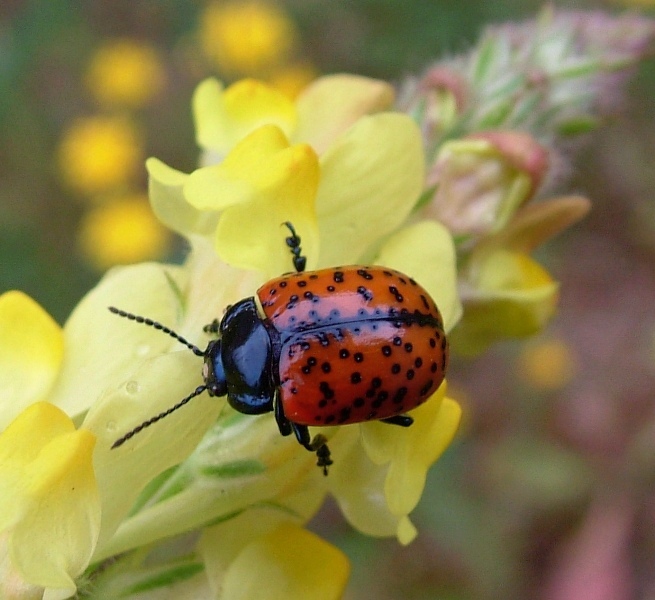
(293, 241)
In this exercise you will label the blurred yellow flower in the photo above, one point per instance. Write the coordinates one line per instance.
(246, 37)
(547, 364)
(122, 231)
(293, 79)
(125, 73)
(97, 154)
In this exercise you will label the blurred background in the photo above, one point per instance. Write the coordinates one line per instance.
(549, 489)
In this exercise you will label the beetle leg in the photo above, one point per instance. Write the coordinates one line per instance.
(402, 420)
(212, 327)
(318, 445)
(283, 424)
(293, 241)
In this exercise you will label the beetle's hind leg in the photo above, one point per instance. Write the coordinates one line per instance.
(318, 445)
(293, 241)
(400, 420)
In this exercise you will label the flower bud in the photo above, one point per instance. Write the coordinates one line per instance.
(480, 181)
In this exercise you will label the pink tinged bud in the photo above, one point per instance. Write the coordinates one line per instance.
(481, 180)
(436, 101)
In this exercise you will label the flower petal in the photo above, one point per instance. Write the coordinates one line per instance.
(371, 178)
(434, 428)
(357, 485)
(289, 562)
(166, 192)
(426, 252)
(31, 353)
(224, 117)
(235, 179)
(48, 475)
(536, 223)
(156, 385)
(332, 104)
(103, 349)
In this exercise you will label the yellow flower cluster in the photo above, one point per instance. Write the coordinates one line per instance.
(348, 180)
(100, 157)
(350, 174)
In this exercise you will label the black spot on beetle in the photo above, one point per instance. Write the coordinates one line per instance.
(308, 295)
(434, 367)
(396, 368)
(358, 356)
(386, 350)
(426, 388)
(399, 396)
(365, 293)
(396, 294)
(365, 274)
(283, 284)
(408, 347)
(311, 361)
(359, 402)
(329, 419)
(410, 374)
(326, 390)
(322, 403)
(355, 377)
(397, 341)
(344, 415)
(330, 288)
(418, 363)
(301, 283)
(326, 367)
(376, 382)
(343, 353)
(338, 276)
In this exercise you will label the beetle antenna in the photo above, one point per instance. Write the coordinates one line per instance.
(130, 434)
(121, 313)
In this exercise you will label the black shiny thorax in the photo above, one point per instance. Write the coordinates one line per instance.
(241, 362)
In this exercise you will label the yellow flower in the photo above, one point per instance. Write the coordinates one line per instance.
(371, 171)
(49, 502)
(97, 154)
(122, 231)
(125, 72)
(504, 291)
(246, 38)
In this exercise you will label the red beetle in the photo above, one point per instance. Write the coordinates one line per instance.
(330, 347)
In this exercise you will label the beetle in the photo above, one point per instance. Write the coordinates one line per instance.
(330, 347)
